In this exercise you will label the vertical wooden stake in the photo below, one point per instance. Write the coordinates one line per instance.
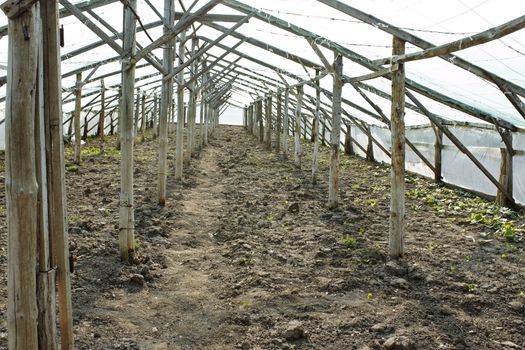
(348, 140)
(21, 186)
(298, 114)
(179, 141)
(260, 119)
(127, 216)
(78, 101)
(286, 127)
(144, 117)
(335, 135)
(155, 116)
(269, 122)
(137, 113)
(315, 129)
(370, 144)
(102, 115)
(278, 124)
(506, 170)
(397, 199)
(52, 95)
(438, 146)
(166, 100)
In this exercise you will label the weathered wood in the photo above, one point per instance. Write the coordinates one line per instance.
(315, 130)
(192, 104)
(137, 113)
(268, 122)
(438, 149)
(166, 100)
(297, 133)
(102, 113)
(127, 136)
(461, 44)
(179, 140)
(335, 135)
(397, 130)
(20, 181)
(143, 115)
(46, 297)
(52, 93)
(155, 118)
(506, 170)
(260, 120)
(377, 74)
(348, 140)
(78, 102)
(278, 124)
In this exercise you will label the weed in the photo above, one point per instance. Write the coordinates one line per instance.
(471, 287)
(90, 151)
(245, 305)
(356, 186)
(72, 168)
(453, 269)
(372, 203)
(350, 242)
(430, 247)
(137, 244)
(369, 296)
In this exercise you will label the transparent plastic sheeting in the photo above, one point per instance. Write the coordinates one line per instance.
(457, 168)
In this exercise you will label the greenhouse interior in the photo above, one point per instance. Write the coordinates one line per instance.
(280, 174)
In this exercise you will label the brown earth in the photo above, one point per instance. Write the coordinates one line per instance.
(245, 255)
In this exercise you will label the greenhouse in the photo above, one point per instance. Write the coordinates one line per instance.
(280, 174)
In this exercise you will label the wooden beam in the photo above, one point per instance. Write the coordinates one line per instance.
(297, 134)
(461, 44)
(315, 131)
(179, 140)
(335, 135)
(78, 101)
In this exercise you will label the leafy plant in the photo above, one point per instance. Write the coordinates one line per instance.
(72, 168)
(471, 287)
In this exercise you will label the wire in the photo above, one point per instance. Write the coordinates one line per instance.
(360, 22)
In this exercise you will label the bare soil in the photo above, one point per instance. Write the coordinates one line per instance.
(245, 255)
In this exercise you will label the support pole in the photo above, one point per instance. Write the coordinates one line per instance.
(179, 141)
(127, 216)
(506, 170)
(278, 124)
(102, 114)
(286, 127)
(438, 147)
(78, 101)
(335, 135)
(21, 186)
(260, 119)
(297, 134)
(166, 99)
(349, 150)
(315, 130)
(269, 122)
(144, 118)
(56, 194)
(397, 199)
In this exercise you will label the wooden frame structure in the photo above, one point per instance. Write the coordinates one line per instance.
(34, 122)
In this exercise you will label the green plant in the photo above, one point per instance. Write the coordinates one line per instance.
(245, 305)
(430, 247)
(471, 287)
(137, 244)
(90, 151)
(369, 296)
(72, 168)
(371, 202)
(453, 269)
(350, 242)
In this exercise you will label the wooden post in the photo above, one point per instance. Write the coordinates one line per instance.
(179, 141)
(155, 115)
(269, 122)
(506, 170)
(349, 149)
(286, 127)
(370, 144)
(20, 180)
(102, 114)
(438, 147)
(46, 297)
(397, 199)
(56, 194)
(127, 216)
(260, 119)
(144, 118)
(315, 129)
(297, 134)
(166, 100)
(305, 122)
(245, 117)
(335, 135)
(278, 125)
(323, 135)
(137, 113)
(192, 106)
(78, 101)
(85, 126)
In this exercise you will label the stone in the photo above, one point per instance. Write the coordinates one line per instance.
(394, 268)
(380, 328)
(398, 343)
(75, 230)
(509, 344)
(293, 208)
(294, 330)
(399, 283)
(137, 279)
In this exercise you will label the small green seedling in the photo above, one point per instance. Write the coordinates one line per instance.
(350, 242)
(72, 168)
(369, 296)
(471, 287)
